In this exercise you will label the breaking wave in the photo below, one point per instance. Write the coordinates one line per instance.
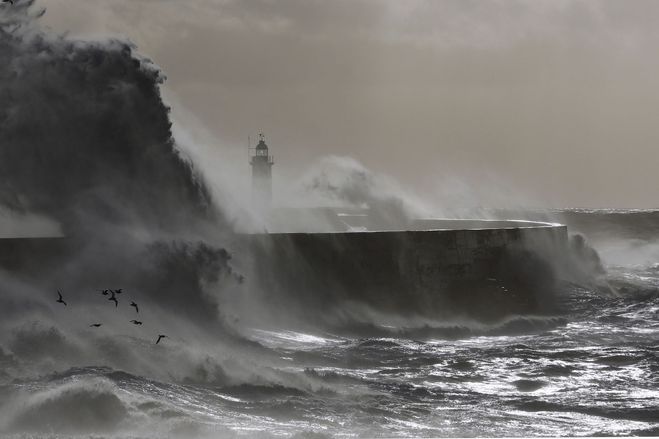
(86, 149)
(85, 135)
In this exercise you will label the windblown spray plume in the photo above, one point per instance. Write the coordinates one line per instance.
(85, 140)
(84, 134)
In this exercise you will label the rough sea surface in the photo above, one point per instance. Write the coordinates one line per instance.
(86, 141)
(591, 369)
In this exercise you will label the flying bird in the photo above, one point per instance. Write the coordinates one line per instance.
(95, 325)
(136, 322)
(134, 305)
(114, 299)
(119, 291)
(60, 300)
(161, 336)
(104, 292)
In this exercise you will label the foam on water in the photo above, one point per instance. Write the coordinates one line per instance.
(587, 368)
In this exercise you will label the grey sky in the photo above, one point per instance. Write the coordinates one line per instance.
(555, 102)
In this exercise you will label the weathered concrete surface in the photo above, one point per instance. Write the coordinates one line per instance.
(488, 269)
(485, 269)
(28, 255)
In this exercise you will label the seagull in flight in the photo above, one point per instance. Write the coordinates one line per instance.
(160, 337)
(60, 300)
(95, 325)
(134, 305)
(114, 299)
(136, 322)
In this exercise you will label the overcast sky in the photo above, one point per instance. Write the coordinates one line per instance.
(556, 99)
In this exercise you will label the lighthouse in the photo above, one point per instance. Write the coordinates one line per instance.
(261, 162)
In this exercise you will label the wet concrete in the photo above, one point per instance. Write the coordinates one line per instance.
(431, 267)
(485, 269)
(28, 255)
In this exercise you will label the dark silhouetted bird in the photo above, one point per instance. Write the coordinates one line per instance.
(136, 322)
(114, 299)
(160, 337)
(134, 305)
(95, 325)
(60, 300)
(104, 292)
(119, 291)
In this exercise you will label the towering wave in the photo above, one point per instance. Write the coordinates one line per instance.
(85, 140)
(84, 133)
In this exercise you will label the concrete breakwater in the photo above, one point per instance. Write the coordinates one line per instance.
(434, 267)
(431, 267)
(29, 255)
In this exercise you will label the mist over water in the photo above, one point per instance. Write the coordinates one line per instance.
(86, 150)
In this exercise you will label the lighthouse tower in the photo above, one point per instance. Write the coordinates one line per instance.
(261, 162)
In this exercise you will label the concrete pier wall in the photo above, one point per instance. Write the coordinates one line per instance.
(434, 267)
(473, 267)
(26, 255)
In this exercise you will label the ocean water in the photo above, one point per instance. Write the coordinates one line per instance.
(86, 142)
(590, 368)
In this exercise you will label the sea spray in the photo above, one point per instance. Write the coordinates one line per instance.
(84, 134)
(86, 144)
